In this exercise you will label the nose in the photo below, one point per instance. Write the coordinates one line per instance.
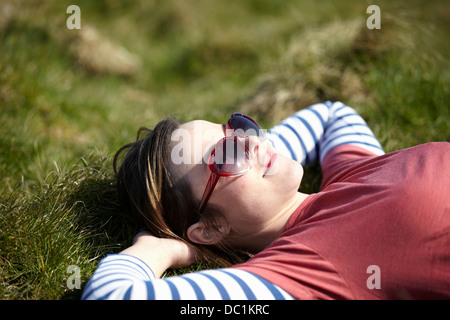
(252, 144)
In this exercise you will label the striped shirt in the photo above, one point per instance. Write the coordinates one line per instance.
(311, 133)
(125, 277)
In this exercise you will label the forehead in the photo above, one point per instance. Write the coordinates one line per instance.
(198, 126)
(191, 145)
(193, 141)
(200, 132)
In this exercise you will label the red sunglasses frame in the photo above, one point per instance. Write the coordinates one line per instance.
(216, 173)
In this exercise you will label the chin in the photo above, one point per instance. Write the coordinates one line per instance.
(297, 173)
(290, 172)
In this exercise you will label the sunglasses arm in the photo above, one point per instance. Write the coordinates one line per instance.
(212, 181)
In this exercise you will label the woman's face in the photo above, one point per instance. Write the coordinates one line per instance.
(249, 202)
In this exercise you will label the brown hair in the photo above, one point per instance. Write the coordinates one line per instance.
(163, 204)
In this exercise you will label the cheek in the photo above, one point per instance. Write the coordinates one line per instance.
(241, 201)
(233, 188)
(234, 193)
(251, 194)
(253, 191)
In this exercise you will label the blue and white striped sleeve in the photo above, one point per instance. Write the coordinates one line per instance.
(124, 277)
(311, 133)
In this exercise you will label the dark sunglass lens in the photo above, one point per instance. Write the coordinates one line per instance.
(245, 126)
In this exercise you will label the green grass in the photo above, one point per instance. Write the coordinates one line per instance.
(66, 106)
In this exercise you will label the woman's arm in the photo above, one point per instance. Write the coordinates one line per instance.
(161, 254)
(134, 273)
(311, 133)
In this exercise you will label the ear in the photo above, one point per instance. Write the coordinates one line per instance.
(199, 233)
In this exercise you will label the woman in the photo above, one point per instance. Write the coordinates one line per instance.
(378, 228)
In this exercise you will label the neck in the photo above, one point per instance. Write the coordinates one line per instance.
(256, 242)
